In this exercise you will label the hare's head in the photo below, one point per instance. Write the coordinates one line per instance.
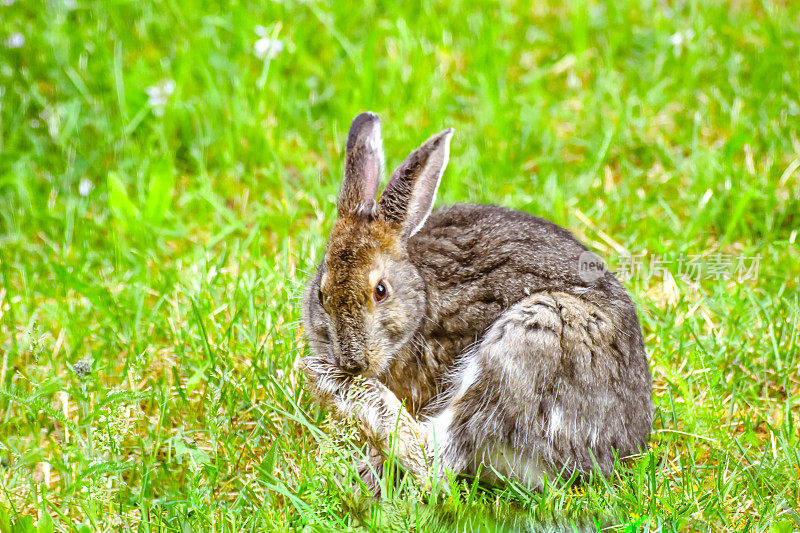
(367, 299)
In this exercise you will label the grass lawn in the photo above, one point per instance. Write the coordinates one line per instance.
(168, 173)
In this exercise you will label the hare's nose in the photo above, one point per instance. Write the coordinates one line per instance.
(350, 365)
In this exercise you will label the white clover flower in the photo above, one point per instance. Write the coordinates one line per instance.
(52, 118)
(679, 39)
(158, 95)
(573, 81)
(267, 48)
(15, 40)
(85, 186)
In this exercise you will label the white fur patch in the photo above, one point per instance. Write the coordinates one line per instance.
(593, 437)
(556, 422)
(512, 464)
(375, 144)
(440, 428)
(468, 377)
(373, 140)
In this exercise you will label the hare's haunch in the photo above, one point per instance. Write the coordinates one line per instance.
(471, 337)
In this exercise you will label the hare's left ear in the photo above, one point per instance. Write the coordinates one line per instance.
(408, 197)
(363, 166)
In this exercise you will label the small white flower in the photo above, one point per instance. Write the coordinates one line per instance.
(8, 2)
(267, 48)
(158, 95)
(85, 186)
(15, 40)
(52, 119)
(679, 39)
(573, 81)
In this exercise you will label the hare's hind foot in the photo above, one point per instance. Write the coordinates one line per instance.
(370, 470)
(551, 387)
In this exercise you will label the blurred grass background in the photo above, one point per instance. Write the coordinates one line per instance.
(167, 177)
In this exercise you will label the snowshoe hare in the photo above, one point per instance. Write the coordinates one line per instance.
(467, 338)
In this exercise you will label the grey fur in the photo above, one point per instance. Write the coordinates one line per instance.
(492, 350)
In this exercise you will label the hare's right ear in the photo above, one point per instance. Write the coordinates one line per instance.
(363, 166)
(408, 197)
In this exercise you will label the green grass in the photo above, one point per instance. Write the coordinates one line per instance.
(178, 275)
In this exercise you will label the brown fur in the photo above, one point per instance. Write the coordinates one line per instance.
(549, 367)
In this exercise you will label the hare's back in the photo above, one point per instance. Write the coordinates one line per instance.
(478, 260)
(465, 243)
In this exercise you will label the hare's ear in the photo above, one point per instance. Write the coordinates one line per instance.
(363, 166)
(408, 197)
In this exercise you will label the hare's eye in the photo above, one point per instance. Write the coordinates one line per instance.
(321, 297)
(381, 292)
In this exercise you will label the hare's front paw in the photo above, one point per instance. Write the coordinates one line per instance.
(325, 379)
